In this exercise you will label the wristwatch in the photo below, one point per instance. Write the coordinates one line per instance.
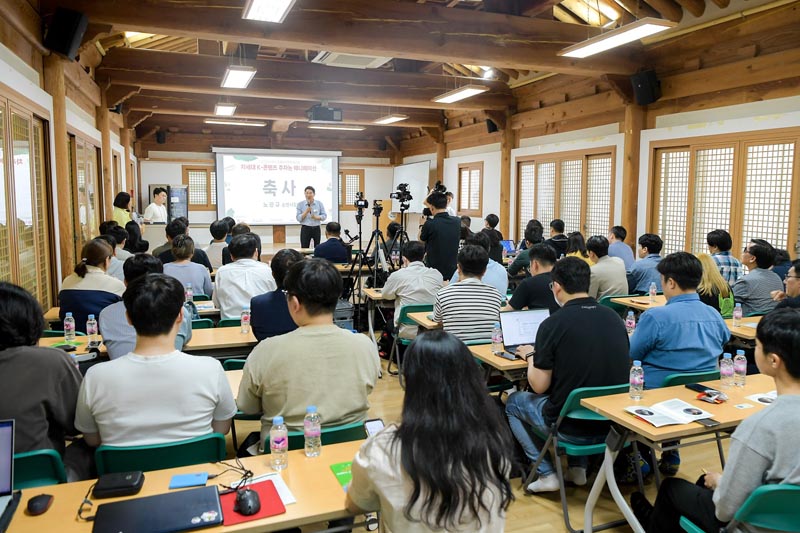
(528, 356)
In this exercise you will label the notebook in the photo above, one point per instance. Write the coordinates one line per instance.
(520, 327)
(6, 463)
(162, 513)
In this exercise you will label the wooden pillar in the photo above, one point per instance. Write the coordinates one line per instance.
(506, 145)
(104, 125)
(441, 153)
(125, 141)
(635, 117)
(55, 86)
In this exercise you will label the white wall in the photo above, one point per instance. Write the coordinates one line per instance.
(489, 155)
(377, 186)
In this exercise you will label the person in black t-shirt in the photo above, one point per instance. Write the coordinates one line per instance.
(490, 229)
(534, 292)
(440, 235)
(557, 238)
(583, 345)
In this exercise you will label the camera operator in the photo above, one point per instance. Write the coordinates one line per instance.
(440, 235)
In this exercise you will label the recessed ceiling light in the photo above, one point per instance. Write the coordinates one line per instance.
(623, 35)
(225, 110)
(238, 76)
(390, 119)
(252, 123)
(267, 10)
(461, 93)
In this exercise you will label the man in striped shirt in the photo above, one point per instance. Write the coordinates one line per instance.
(469, 308)
(719, 244)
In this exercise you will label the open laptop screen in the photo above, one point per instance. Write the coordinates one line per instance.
(509, 246)
(6, 457)
(520, 327)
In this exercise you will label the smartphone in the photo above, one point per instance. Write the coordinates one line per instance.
(373, 426)
(94, 344)
(708, 422)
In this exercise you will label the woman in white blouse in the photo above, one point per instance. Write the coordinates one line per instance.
(449, 425)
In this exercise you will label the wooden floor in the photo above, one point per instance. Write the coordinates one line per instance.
(530, 513)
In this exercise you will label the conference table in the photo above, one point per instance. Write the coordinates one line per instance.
(515, 370)
(424, 321)
(627, 427)
(373, 297)
(204, 309)
(641, 303)
(319, 495)
(746, 329)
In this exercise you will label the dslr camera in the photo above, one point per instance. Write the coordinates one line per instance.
(361, 202)
(403, 195)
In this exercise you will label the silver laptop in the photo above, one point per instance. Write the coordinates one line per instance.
(6, 462)
(520, 327)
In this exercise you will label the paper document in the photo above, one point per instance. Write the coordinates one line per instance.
(765, 398)
(669, 412)
(280, 485)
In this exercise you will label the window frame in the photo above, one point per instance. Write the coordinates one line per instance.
(211, 182)
(343, 186)
(477, 165)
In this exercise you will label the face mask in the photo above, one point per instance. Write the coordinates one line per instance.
(557, 302)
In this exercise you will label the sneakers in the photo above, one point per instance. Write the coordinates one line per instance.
(628, 475)
(548, 483)
(576, 475)
(641, 508)
(669, 463)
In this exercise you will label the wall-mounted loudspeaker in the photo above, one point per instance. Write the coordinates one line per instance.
(161, 137)
(646, 87)
(491, 126)
(64, 34)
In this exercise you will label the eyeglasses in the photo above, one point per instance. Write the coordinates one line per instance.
(787, 277)
(551, 285)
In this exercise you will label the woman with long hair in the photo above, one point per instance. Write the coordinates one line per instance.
(446, 465)
(134, 243)
(122, 208)
(576, 247)
(713, 288)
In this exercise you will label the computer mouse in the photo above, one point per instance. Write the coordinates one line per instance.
(247, 502)
(39, 504)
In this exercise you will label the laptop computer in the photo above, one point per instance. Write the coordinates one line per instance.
(520, 327)
(163, 513)
(6, 463)
(509, 246)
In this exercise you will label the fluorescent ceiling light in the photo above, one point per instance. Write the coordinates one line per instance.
(267, 10)
(238, 76)
(461, 93)
(390, 119)
(255, 124)
(225, 110)
(343, 127)
(488, 73)
(614, 38)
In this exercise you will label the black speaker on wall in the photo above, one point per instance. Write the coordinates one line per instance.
(646, 87)
(161, 137)
(491, 127)
(64, 34)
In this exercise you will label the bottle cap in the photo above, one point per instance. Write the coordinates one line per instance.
(739, 352)
(69, 315)
(277, 420)
(726, 356)
(497, 324)
(91, 317)
(630, 313)
(311, 409)
(188, 285)
(245, 309)
(738, 305)
(636, 362)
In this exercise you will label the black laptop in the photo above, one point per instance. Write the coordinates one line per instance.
(163, 513)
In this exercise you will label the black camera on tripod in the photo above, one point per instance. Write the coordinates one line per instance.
(402, 195)
(361, 202)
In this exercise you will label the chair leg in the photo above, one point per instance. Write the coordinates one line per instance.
(233, 436)
(542, 453)
(394, 355)
(720, 450)
(655, 469)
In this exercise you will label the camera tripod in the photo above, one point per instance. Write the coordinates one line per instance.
(401, 239)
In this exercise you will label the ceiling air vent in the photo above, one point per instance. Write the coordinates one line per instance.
(337, 59)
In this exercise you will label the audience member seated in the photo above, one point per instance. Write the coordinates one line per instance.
(219, 232)
(490, 230)
(269, 312)
(414, 284)
(576, 247)
(121, 237)
(440, 235)
(790, 297)
(38, 386)
(317, 364)
(461, 433)
(135, 244)
(557, 238)
(239, 229)
(392, 241)
(119, 337)
(782, 263)
(468, 309)
(719, 246)
(114, 264)
(617, 246)
(713, 288)
(643, 272)
(754, 291)
(608, 273)
(184, 270)
(685, 335)
(763, 449)
(89, 289)
(534, 292)
(496, 274)
(180, 226)
(533, 235)
(106, 225)
(583, 345)
(156, 394)
(466, 222)
(238, 282)
(231, 222)
(333, 249)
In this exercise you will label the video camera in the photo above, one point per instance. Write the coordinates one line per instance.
(403, 195)
(361, 202)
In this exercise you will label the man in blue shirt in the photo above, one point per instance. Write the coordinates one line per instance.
(310, 214)
(685, 335)
(333, 249)
(643, 272)
(496, 274)
(617, 246)
(719, 245)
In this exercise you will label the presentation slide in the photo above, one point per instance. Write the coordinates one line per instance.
(263, 187)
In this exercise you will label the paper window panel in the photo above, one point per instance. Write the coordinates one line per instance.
(463, 197)
(598, 195)
(198, 186)
(712, 194)
(5, 249)
(40, 199)
(673, 197)
(768, 193)
(92, 190)
(23, 201)
(571, 194)
(213, 176)
(527, 175)
(475, 189)
(341, 188)
(352, 186)
(545, 192)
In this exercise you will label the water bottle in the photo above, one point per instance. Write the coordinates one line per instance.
(637, 381)
(189, 293)
(652, 292)
(739, 368)
(312, 430)
(630, 323)
(497, 339)
(726, 371)
(278, 444)
(69, 328)
(91, 329)
(737, 315)
(246, 320)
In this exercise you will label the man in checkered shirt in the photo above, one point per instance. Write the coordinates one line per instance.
(719, 244)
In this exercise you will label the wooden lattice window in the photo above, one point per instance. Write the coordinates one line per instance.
(526, 178)
(351, 181)
(470, 187)
(202, 182)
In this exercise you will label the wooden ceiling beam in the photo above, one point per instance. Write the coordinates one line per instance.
(695, 7)
(117, 94)
(668, 9)
(292, 81)
(637, 9)
(384, 27)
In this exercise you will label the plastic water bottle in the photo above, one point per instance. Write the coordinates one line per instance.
(189, 293)
(312, 431)
(630, 323)
(739, 368)
(278, 444)
(245, 320)
(726, 371)
(737, 315)
(652, 292)
(637, 381)
(497, 339)
(91, 329)
(69, 327)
